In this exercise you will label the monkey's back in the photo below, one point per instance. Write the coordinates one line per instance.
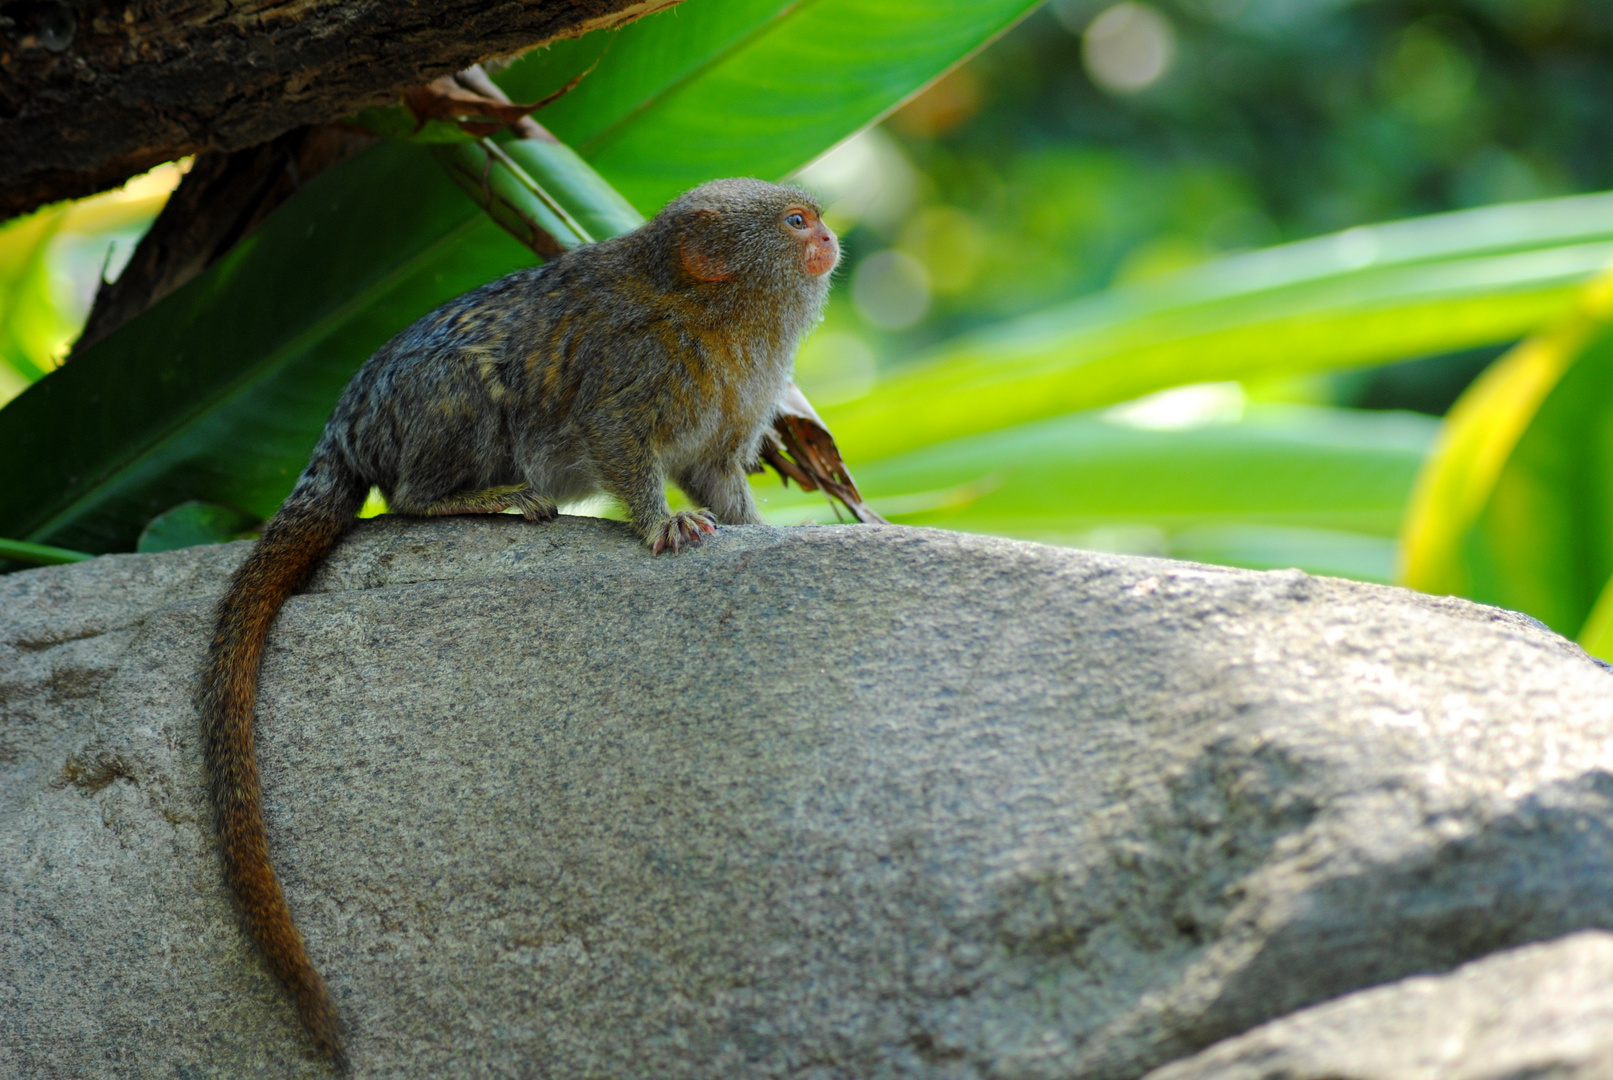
(520, 381)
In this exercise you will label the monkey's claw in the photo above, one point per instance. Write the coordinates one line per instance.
(533, 507)
(686, 528)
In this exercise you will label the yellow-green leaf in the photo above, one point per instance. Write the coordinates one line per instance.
(1515, 507)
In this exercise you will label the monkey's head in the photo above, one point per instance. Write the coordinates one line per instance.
(753, 233)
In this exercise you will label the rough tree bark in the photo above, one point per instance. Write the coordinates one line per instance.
(94, 92)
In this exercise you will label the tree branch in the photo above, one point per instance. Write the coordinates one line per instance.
(96, 91)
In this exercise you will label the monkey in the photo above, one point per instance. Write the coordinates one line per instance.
(613, 368)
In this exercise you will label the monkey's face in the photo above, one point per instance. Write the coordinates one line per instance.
(820, 251)
(761, 236)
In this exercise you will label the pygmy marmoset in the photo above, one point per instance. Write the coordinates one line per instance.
(652, 356)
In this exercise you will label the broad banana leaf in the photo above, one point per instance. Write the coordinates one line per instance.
(744, 87)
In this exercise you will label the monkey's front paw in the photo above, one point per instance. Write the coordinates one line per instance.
(684, 529)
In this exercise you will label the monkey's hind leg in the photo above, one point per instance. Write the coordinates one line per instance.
(722, 489)
(493, 500)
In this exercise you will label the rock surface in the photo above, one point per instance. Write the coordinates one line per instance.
(812, 803)
(1539, 1011)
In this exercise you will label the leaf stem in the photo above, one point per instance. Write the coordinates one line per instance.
(39, 554)
(495, 151)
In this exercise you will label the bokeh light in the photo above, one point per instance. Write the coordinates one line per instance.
(891, 289)
(1128, 47)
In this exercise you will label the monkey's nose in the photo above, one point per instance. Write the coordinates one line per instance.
(823, 253)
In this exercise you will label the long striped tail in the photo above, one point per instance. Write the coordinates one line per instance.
(300, 534)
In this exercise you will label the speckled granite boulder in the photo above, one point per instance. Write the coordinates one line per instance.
(813, 803)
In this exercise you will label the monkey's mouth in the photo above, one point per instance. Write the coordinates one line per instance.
(822, 256)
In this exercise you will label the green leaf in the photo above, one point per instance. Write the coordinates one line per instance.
(30, 324)
(1366, 296)
(1596, 636)
(192, 523)
(218, 392)
(1322, 489)
(744, 87)
(1516, 506)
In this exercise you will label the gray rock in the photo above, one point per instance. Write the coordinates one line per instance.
(1539, 1011)
(811, 803)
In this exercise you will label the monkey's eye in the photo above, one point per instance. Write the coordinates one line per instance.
(795, 221)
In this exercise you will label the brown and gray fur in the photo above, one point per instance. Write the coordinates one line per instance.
(653, 356)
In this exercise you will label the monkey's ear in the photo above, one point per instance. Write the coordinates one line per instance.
(699, 248)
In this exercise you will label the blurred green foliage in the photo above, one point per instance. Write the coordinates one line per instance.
(1025, 177)
(1364, 296)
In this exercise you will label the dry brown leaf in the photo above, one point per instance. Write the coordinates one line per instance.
(476, 104)
(813, 460)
